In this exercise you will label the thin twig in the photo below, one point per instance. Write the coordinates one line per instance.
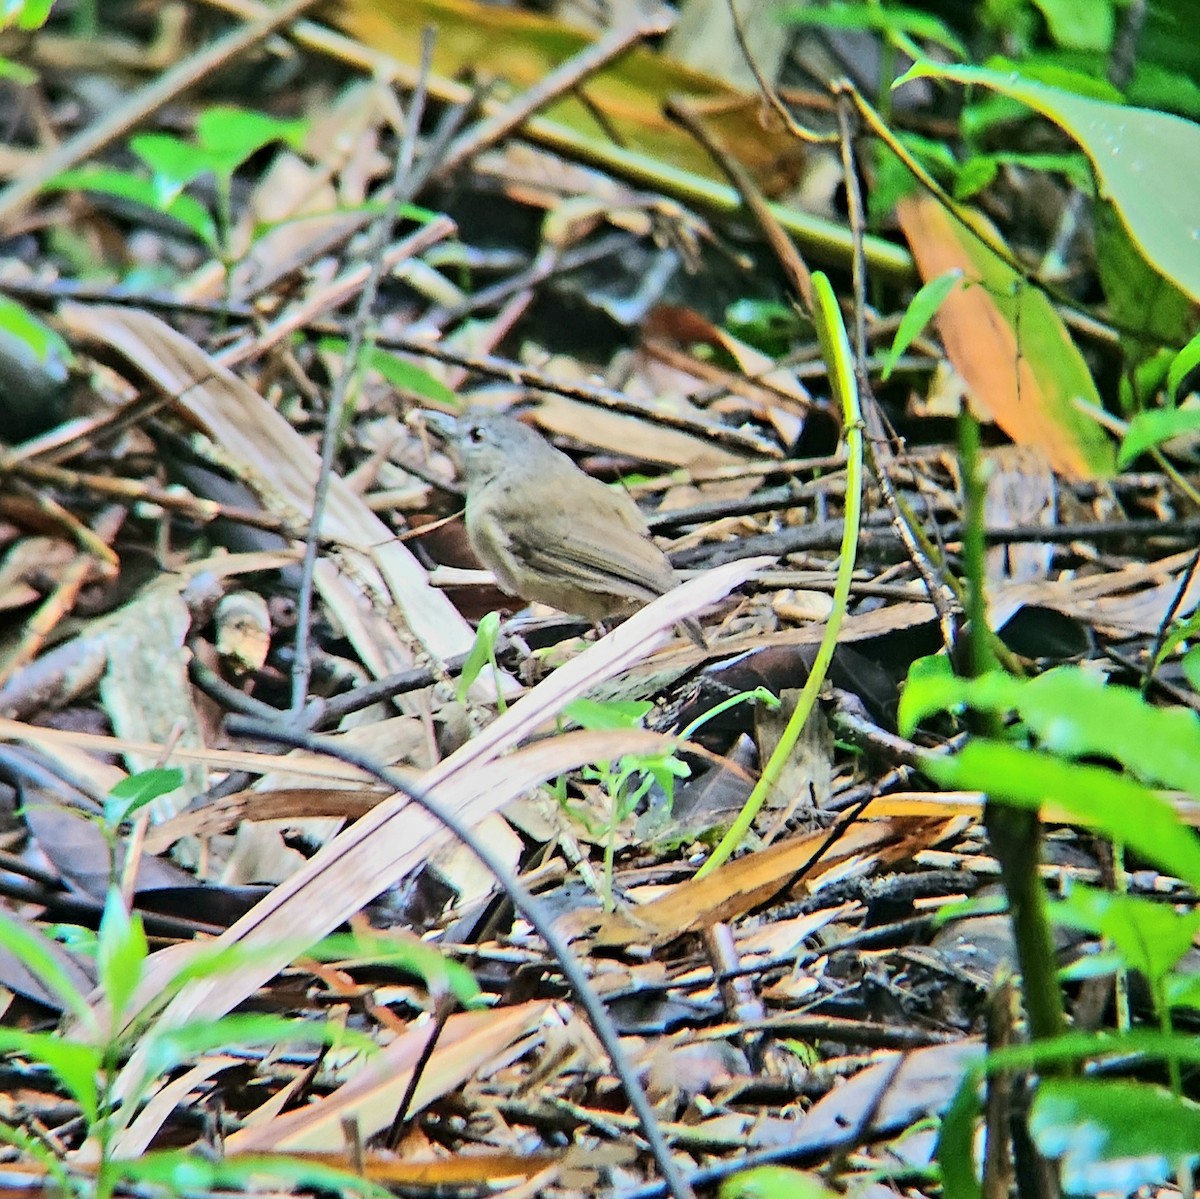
(401, 194)
(900, 515)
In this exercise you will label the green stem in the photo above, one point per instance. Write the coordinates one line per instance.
(1015, 834)
(836, 349)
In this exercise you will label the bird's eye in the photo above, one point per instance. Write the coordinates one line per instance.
(475, 435)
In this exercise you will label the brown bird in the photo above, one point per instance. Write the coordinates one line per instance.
(547, 530)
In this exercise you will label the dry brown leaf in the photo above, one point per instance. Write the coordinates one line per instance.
(737, 887)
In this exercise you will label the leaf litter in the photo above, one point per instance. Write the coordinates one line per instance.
(787, 1003)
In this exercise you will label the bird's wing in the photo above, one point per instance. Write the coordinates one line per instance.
(612, 560)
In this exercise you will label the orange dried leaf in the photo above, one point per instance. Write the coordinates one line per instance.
(1004, 337)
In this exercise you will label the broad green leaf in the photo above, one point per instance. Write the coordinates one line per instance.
(1151, 936)
(1139, 156)
(931, 686)
(1117, 806)
(776, 1182)
(173, 163)
(408, 377)
(1144, 304)
(1072, 712)
(1150, 429)
(1156, 86)
(1113, 1135)
(977, 173)
(1087, 26)
(1076, 713)
(918, 314)
(399, 372)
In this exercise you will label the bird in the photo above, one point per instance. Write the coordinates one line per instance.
(546, 529)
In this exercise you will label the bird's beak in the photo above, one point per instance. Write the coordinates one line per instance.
(441, 424)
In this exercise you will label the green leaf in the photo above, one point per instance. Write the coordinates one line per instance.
(399, 372)
(1147, 307)
(20, 75)
(609, 714)
(931, 686)
(1078, 26)
(894, 21)
(1150, 429)
(767, 325)
(1121, 809)
(168, 1048)
(137, 790)
(1073, 712)
(1182, 990)
(1137, 154)
(121, 951)
(75, 1064)
(1152, 937)
(43, 343)
(408, 377)
(483, 651)
(37, 955)
(1182, 365)
(173, 163)
(229, 135)
(188, 211)
(1155, 86)
(918, 314)
(1114, 1136)
(974, 175)
(776, 1182)
(24, 14)
(1191, 667)
(440, 974)
(184, 1172)
(955, 1152)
